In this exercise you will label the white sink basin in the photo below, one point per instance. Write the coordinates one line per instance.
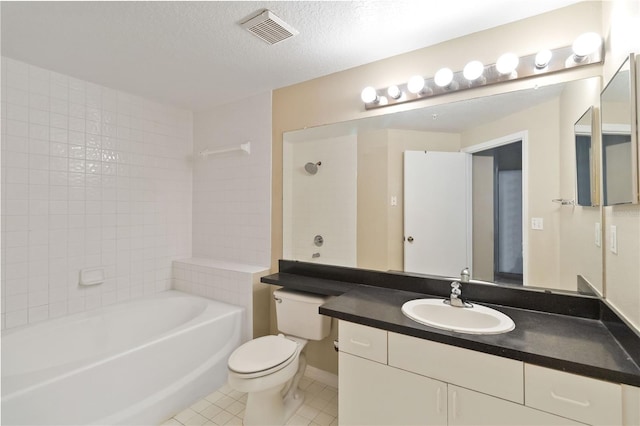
(475, 320)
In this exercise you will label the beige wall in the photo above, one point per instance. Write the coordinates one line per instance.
(621, 24)
(335, 98)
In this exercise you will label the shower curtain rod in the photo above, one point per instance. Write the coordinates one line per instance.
(245, 147)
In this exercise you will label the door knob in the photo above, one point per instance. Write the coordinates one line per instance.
(410, 239)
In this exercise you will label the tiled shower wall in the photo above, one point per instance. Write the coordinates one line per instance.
(232, 191)
(91, 177)
(305, 210)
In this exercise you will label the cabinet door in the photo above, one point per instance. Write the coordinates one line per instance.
(471, 408)
(376, 394)
(582, 398)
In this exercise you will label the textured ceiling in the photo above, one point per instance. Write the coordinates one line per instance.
(195, 55)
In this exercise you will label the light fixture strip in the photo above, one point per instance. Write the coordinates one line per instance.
(562, 59)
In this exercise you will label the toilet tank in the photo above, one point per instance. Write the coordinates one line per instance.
(297, 314)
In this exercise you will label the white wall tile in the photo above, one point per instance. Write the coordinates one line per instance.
(231, 198)
(60, 188)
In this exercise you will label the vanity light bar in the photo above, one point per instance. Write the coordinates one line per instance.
(476, 75)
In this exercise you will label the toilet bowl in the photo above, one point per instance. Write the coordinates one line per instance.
(269, 368)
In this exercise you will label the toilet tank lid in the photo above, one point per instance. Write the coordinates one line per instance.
(300, 296)
(262, 354)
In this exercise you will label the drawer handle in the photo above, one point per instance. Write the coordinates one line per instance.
(359, 343)
(570, 401)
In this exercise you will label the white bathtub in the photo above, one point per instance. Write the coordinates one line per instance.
(138, 362)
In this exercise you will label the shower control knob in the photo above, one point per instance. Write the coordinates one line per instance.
(410, 239)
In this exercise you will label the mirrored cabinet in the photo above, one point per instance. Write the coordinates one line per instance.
(619, 137)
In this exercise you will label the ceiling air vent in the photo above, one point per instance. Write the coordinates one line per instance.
(269, 27)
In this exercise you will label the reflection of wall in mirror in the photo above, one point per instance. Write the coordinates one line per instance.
(323, 203)
(615, 114)
(542, 125)
(616, 146)
(578, 250)
(483, 230)
(380, 177)
(618, 188)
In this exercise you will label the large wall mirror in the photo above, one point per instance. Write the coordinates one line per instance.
(344, 187)
(619, 140)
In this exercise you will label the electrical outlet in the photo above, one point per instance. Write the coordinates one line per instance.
(394, 200)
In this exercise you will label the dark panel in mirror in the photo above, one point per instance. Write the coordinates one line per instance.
(586, 161)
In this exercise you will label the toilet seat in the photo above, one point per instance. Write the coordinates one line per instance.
(263, 356)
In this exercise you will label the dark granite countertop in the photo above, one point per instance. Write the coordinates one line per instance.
(572, 333)
(309, 284)
(576, 345)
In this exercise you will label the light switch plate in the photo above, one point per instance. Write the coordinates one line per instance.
(613, 239)
(537, 223)
(598, 234)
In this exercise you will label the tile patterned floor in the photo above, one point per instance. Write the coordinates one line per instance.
(226, 407)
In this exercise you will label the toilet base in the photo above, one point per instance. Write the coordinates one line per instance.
(269, 408)
(276, 405)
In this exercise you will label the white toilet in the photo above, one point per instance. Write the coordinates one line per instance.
(269, 368)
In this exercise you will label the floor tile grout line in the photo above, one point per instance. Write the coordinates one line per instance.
(215, 409)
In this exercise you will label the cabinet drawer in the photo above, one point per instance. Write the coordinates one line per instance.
(581, 398)
(363, 341)
(493, 375)
(469, 408)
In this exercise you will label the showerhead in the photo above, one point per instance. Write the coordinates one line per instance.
(312, 168)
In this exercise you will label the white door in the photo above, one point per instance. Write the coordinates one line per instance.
(437, 219)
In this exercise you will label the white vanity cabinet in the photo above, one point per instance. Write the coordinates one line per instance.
(387, 378)
(375, 394)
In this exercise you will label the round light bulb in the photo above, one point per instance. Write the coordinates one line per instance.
(394, 92)
(507, 63)
(542, 58)
(443, 77)
(382, 100)
(586, 44)
(369, 95)
(473, 70)
(415, 84)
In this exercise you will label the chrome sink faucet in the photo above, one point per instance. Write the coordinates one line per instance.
(456, 295)
(456, 291)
